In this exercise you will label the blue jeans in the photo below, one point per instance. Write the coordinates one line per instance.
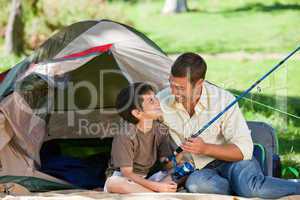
(244, 178)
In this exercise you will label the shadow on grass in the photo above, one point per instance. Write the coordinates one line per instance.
(267, 8)
(260, 7)
(288, 144)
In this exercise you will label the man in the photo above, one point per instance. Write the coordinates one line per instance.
(223, 153)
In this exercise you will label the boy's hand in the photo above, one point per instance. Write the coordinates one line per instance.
(169, 164)
(169, 186)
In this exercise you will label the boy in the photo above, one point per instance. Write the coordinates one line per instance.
(136, 151)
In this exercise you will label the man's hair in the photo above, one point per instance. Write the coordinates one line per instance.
(189, 63)
(130, 98)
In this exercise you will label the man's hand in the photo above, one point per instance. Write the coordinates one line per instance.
(195, 146)
(226, 152)
(169, 186)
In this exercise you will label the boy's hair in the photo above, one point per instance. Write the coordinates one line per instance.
(130, 98)
(189, 64)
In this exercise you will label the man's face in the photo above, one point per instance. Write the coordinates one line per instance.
(183, 89)
(151, 107)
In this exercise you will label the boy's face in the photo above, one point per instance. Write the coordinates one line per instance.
(151, 107)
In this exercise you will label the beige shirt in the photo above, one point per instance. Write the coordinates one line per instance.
(231, 128)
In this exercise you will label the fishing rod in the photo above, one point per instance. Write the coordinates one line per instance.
(208, 124)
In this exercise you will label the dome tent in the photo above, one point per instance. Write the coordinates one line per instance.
(73, 77)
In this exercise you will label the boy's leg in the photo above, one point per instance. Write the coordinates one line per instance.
(167, 179)
(247, 179)
(122, 185)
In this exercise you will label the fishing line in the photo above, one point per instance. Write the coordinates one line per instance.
(269, 107)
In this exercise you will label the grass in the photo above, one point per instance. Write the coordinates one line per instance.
(9, 61)
(222, 26)
(239, 74)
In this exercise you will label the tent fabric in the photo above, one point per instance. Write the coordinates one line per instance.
(106, 84)
(103, 33)
(7, 84)
(74, 125)
(96, 49)
(56, 68)
(34, 104)
(85, 172)
(34, 184)
(2, 75)
(127, 58)
(28, 129)
(60, 40)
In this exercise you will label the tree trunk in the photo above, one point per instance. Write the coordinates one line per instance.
(14, 30)
(175, 6)
(34, 6)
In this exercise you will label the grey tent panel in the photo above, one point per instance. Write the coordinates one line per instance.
(263, 133)
(100, 72)
(60, 40)
(145, 38)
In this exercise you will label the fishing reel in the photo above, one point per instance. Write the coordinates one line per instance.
(182, 171)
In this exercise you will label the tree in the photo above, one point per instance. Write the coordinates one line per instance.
(14, 35)
(175, 6)
(34, 6)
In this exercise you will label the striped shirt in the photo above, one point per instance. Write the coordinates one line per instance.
(231, 128)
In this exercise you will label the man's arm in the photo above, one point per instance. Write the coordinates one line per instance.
(238, 142)
(154, 186)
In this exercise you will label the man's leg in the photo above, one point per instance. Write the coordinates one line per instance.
(122, 185)
(247, 179)
(207, 181)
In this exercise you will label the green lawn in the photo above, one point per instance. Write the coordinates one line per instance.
(7, 62)
(222, 26)
(239, 74)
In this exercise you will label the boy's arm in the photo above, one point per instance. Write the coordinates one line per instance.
(154, 186)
